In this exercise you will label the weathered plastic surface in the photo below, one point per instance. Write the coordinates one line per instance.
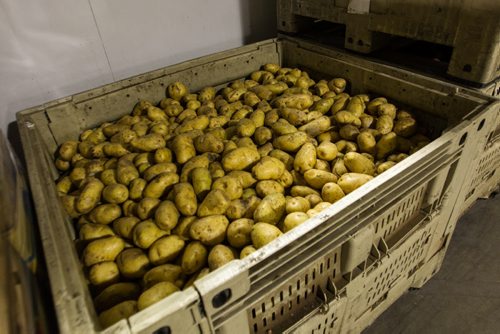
(278, 286)
(464, 25)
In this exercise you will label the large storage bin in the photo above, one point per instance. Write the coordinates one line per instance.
(470, 27)
(334, 258)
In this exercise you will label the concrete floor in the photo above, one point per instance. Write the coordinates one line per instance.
(464, 296)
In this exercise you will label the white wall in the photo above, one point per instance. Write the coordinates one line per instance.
(54, 48)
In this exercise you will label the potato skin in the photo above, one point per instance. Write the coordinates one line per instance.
(163, 273)
(305, 158)
(105, 213)
(270, 209)
(219, 256)
(118, 312)
(209, 230)
(90, 195)
(155, 293)
(238, 232)
(215, 203)
(101, 250)
(165, 249)
(268, 168)
(194, 257)
(293, 220)
(185, 199)
(115, 294)
(166, 215)
(358, 163)
(264, 233)
(104, 273)
(351, 181)
(240, 158)
(132, 263)
(157, 186)
(146, 233)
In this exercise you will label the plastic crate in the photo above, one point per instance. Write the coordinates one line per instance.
(321, 256)
(369, 25)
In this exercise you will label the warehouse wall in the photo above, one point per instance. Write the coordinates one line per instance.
(54, 48)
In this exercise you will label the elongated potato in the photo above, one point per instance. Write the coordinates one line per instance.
(115, 193)
(293, 220)
(351, 181)
(126, 172)
(264, 233)
(115, 294)
(105, 213)
(290, 142)
(305, 158)
(146, 207)
(385, 124)
(194, 257)
(317, 178)
(316, 126)
(165, 249)
(163, 273)
(386, 145)
(243, 207)
(302, 191)
(89, 196)
(385, 166)
(157, 186)
(297, 204)
(68, 149)
(270, 209)
(209, 230)
(155, 293)
(185, 199)
(298, 101)
(358, 163)
(90, 231)
(182, 228)
(118, 312)
(183, 147)
(240, 158)
(148, 143)
(101, 250)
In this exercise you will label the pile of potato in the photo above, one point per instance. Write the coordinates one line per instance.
(175, 190)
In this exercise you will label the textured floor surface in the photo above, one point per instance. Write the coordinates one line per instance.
(464, 296)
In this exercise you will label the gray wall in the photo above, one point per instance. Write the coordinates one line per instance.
(54, 48)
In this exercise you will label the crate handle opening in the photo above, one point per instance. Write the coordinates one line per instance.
(163, 330)
(221, 298)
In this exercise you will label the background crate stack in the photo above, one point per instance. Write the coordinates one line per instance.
(470, 27)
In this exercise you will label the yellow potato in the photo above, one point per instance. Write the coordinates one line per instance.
(290, 142)
(115, 193)
(337, 85)
(351, 181)
(373, 105)
(296, 204)
(386, 145)
(247, 250)
(157, 187)
(194, 257)
(297, 101)
(366, 142)
(136, 188)
(201, 181)
(262, 135)
(118, 312)
(322, 165)
(91, 231)
(332, 192)
(293, 220)
(264, 233)
(238, 232)
(283, 127)
(185, 199)
(89, 196)
(219, 256)
(268, 187)
(183, 147)
(327, 151)
(268, 168)
(216, 170)
(270, 209)
(166, 215)
(105, 213)
(177, 90)
(240, 158)
(115, 294)
(344, 117)
(146, 207)
(317, 178)
(230, 186)
(384, 124)
(209, 230)
(295, 117)
(146, 233)
(126, 172)
(314, 199)
(124, 226)
(302, 191)
(215, 203)
(284, 157)
(349, 132)
(387, 109)
(148, 143)
(114, 150)
(206, 94)
(129, 208)
(104, 273)
(199, 161)
(405, 127)
(339, 167)
(163, 273)
(305, 158)
(244, 178)
(165, 249)
(243, 207)
(163, 155)
(67, 150)
(132, 263)
(155, 293)
(208, 143)
(108, 176)
(358, 163)
(64, 185)
(101, 250)
(182, 228)
(385, 166)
